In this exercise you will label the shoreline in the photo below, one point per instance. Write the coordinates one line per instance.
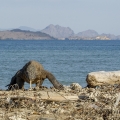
(72, 103)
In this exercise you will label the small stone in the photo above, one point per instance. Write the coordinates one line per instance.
(47, 112)
(95, 99)
(75, 86)
(83, 97)
(60, 111)
(91, 90)
(93, 106)
(8, 100)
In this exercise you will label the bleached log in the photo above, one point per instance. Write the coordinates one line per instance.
(47, 96)
(102, 78)
(65, 98)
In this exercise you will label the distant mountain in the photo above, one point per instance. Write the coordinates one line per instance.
(27, 28)
(111, 36)
(93, 35)
(58, 31)
(17, 34)
(87, 33)
(1, 29)
(21, 28)
(118, 37)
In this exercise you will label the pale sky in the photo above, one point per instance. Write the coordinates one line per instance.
(102, 16)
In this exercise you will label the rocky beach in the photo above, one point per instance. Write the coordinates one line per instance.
(72, 103)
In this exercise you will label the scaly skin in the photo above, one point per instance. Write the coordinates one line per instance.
(34, 72)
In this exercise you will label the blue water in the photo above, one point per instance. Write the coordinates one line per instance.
(69, 61)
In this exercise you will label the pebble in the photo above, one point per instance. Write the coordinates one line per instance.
(75, 86)
(47, 112)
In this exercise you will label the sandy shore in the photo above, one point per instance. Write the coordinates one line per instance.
(73, 103)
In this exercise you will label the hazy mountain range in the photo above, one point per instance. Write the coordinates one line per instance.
(58, 31)
(17, 34)
(54, 32)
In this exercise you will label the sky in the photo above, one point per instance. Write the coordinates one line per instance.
(102, 16)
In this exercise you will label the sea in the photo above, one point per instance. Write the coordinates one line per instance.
(68, 60)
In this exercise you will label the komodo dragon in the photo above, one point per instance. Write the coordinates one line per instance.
(33, 73)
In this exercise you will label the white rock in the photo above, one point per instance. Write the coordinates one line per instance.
(60, 111)
(75, 86)
(101, 78)
(67, 88)
(47, 112)
(8, 100)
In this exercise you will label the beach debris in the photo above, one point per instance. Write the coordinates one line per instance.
(9, 101)
(83, 97)
(102, 103)
(117, 100)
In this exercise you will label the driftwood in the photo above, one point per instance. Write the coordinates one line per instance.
(103, 78)
(65, 98)
(47, 96)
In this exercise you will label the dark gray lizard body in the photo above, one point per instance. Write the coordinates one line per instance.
(34, 73)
